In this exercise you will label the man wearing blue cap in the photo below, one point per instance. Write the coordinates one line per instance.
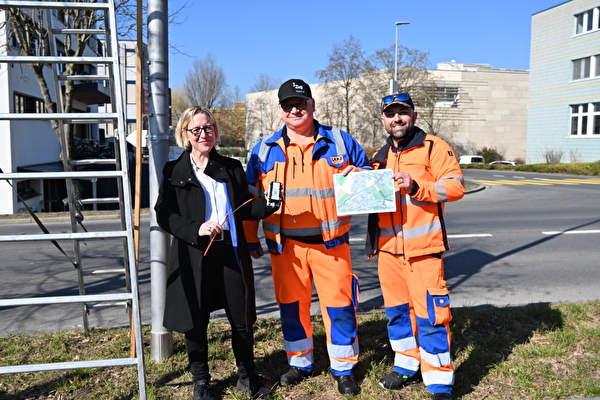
(409, 245)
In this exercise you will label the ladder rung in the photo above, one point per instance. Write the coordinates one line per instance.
(93, 161)
(106, 305)
(54, 4)
(72, 117)
(113, 362)
(105, 200)
(74, 31)
(112, 271)
(65, 236)
(55, 59)
(83, 77)
(63, 175)
(88, 298)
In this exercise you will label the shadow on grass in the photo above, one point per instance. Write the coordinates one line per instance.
(483, 337)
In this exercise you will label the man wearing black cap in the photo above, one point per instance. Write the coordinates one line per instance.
(409, 245)
(308, 242)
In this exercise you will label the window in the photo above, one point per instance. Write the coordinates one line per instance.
(28, 104)
(446, 96)
(585, 119)
(130, 58)
(587, 67)
(28, 189)
(588, 21)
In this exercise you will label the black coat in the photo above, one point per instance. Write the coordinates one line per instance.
(180, 210)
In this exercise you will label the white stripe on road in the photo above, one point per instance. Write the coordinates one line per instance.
(570, 232)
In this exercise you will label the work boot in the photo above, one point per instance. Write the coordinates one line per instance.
(441, 396)
(346, 384)
(396, 381)
(293, 376)
(202, 391)
(254, 386)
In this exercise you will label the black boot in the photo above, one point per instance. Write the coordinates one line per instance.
(253, 385)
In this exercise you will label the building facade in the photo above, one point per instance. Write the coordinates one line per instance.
(564, 89)
(476, 106)
(33, 146)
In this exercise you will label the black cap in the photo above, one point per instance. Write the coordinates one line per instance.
(294, 88)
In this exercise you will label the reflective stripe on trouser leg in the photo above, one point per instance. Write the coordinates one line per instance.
(401, 325)
(293, 291)
(402, 340)
(332, 274)
(436, 362)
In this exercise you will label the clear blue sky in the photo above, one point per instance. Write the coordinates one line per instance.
(292, 39)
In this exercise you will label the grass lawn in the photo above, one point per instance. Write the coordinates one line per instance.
(538, 351)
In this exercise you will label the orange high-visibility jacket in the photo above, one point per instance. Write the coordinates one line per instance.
(417, 227)
(333, 151)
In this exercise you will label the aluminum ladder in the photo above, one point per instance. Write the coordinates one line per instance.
(110, 74)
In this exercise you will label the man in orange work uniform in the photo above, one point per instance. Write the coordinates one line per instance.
(307, 240)
(410, 244)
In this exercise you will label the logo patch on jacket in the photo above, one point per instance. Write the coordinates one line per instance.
(337, 159)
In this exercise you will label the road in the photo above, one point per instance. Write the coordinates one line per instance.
(526, 238)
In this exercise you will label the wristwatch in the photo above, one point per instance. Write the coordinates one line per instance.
(414, 188)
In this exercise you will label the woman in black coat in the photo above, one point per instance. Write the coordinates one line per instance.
(198, 193)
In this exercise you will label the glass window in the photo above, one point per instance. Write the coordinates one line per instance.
(587, 21)
(130, 58)
(585, 119)
(581, 68)
(574, 126)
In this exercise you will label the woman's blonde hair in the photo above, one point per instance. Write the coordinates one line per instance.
(180, 131)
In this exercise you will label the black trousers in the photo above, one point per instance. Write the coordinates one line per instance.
(222, 281)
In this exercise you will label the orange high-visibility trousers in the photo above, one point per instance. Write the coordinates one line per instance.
(294, 271)
(417, 305)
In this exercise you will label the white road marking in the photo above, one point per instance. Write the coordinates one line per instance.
(571, 232)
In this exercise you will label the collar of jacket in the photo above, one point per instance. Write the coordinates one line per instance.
(415, 138)
(183, 172)
(321, 132)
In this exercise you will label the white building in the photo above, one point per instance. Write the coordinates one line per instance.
(476, 106)
(564, 89)
(33, 146)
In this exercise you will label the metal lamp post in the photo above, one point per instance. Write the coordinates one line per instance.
(394, 82)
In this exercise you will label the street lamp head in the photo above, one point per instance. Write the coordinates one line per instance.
(402, 23)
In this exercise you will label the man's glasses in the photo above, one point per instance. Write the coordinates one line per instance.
(208, 129)
(394, 97)
(299, 106)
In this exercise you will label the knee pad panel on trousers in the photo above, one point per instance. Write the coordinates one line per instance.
(433, 339)
(399, 324)
(344, 329)
(290, 321)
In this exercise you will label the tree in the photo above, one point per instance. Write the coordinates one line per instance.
(205, 83)
(265, 117)
(347, 62)
(179, 103)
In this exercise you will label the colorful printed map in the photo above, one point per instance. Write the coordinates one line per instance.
(364, 192)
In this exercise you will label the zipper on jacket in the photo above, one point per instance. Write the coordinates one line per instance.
(293, 166)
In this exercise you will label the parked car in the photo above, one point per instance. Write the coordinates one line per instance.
(469, 159)
(503, 162)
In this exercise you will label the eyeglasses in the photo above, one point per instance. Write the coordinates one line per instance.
(394, 97)
(299, 106)
(208, 129)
